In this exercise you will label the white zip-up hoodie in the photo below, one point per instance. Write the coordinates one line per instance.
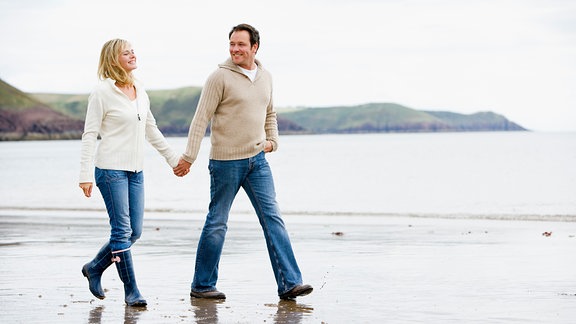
(123, 126)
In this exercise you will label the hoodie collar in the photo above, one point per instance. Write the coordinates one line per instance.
(228, 64)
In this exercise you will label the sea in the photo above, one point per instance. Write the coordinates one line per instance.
(507, 175)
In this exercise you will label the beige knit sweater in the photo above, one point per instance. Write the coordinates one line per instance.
(240, 112)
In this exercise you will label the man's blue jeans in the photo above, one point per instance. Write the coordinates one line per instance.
(123, 193)
(255, 177)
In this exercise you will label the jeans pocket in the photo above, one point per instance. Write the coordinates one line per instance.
(109, 176)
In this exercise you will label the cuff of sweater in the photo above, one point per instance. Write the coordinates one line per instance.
(173, 161)
(188, 159)
(86, 177)
(274, 145)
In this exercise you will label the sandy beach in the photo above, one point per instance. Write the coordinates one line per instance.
(365, 269)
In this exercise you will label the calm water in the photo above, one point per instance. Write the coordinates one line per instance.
(454, 174)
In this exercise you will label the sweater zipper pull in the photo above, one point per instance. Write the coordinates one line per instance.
(139, 116)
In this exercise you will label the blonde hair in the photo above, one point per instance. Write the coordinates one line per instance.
(109, 66)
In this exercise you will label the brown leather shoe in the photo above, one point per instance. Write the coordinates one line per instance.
(213, 294)
(299, 290)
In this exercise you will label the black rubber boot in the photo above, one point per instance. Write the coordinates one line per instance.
(93, 270)
(125, 268)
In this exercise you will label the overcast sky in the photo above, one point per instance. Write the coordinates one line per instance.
(514, 57)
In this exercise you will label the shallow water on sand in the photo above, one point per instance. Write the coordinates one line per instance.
(364, 269)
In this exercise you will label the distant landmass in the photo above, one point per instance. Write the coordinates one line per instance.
(393, 118)
(23, 117)
(61, 116)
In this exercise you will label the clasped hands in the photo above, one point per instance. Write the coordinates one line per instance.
(182, 168)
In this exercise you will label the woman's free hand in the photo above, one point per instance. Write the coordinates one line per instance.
(86, 188)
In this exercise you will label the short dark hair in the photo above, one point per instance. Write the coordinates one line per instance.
(254, 34)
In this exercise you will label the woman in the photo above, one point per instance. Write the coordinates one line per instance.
(119, 112)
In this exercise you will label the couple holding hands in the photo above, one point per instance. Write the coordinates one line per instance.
(236, 101)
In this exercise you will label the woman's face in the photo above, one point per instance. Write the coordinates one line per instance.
(127, 59)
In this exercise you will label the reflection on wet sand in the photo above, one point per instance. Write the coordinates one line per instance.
(95, 315)
(290, 312)
(131, 314)
(206, 310)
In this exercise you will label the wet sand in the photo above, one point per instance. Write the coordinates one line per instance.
(391, 269)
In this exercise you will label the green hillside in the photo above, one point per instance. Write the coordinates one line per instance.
(23, 117)
(389, 117)
(375, 117)
(174, 110)
(73, 105)
(479, 120)
(14, 99)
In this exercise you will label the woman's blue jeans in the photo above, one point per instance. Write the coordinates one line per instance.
(123, 193)
(255, 177)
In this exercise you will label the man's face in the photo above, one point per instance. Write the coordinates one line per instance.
(241, 52)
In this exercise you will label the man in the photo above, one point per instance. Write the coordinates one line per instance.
(237, 101)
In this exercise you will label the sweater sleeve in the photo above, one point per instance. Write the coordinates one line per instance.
(92, 124)
(271, 125)
(158, 141)
(209, 101)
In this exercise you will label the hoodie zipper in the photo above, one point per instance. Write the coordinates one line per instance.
(138, 128)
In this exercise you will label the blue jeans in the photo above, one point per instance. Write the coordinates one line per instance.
(255, 177)
(123, 193)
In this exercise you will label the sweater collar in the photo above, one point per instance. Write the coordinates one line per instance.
(112, 84)
(228, 64)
